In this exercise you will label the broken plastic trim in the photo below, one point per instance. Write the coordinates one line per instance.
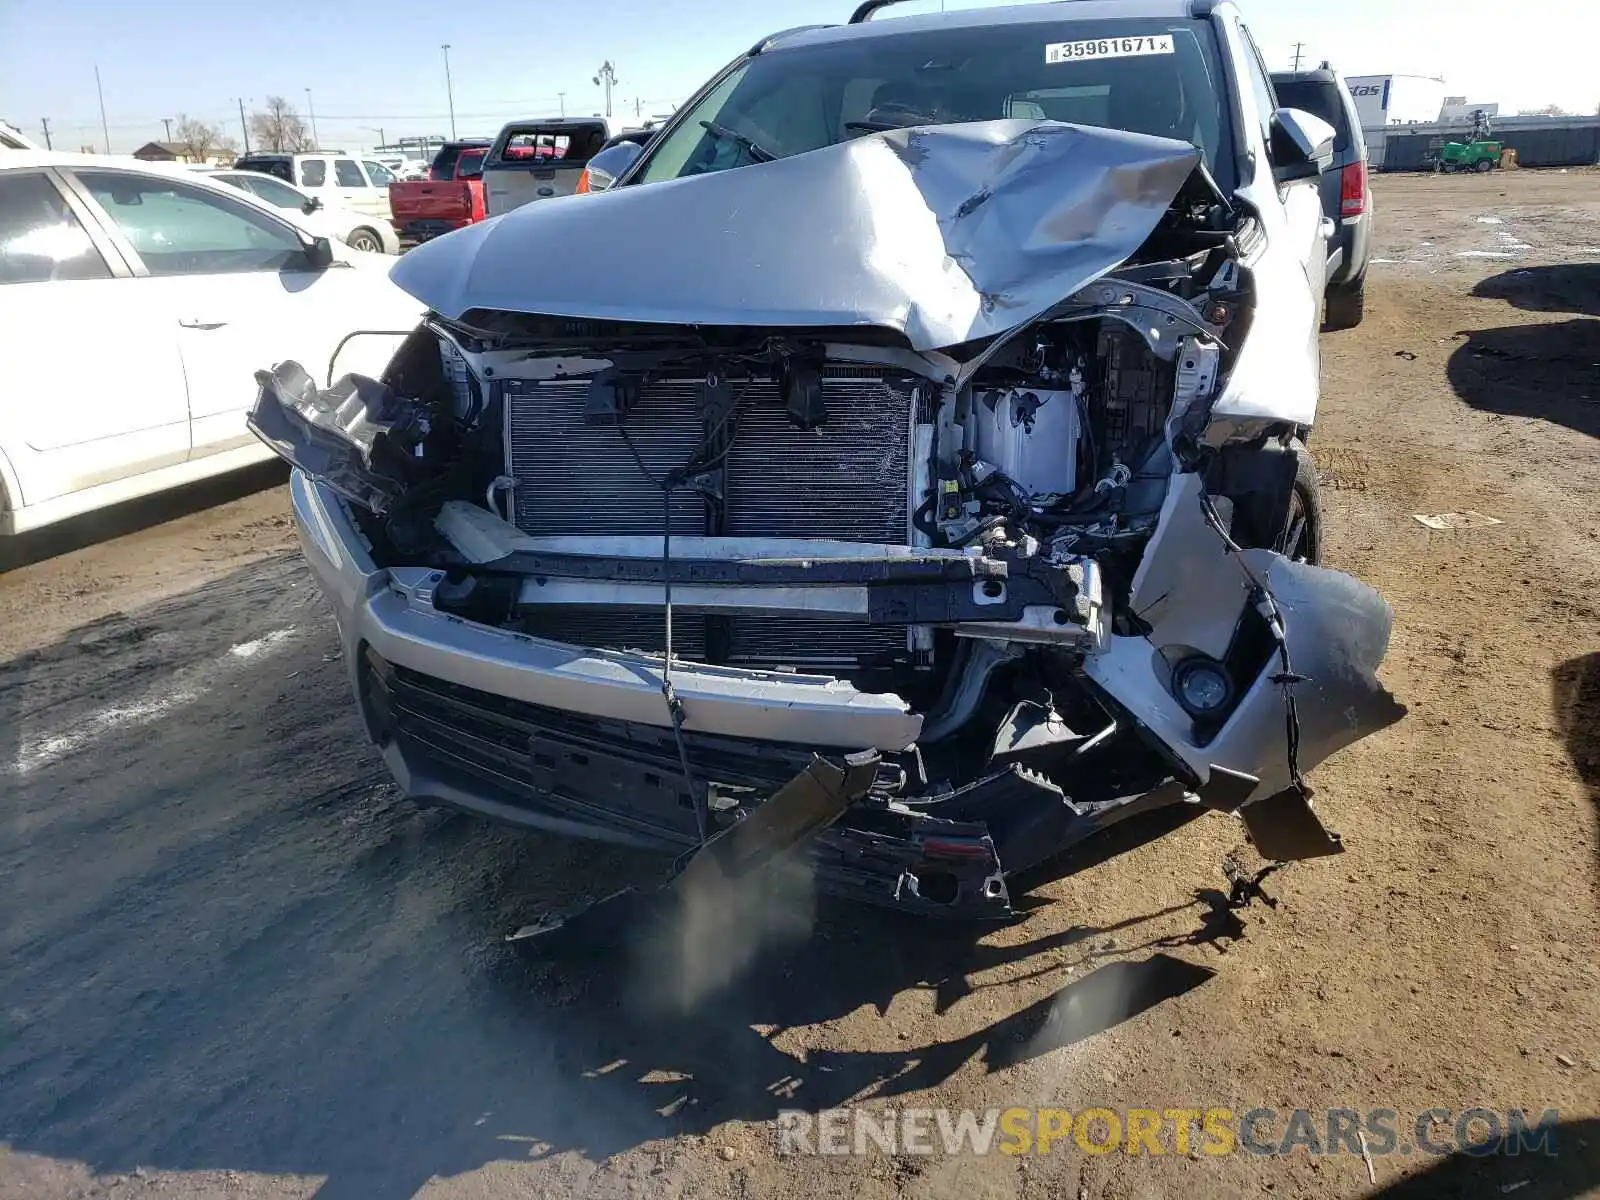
(808, 803)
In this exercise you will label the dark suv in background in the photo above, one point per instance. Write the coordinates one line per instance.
(1346, 198)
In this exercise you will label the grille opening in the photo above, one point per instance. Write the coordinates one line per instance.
(848, 480)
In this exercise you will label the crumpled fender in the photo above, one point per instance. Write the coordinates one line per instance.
(1192, 590)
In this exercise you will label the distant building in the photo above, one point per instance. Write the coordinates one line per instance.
(1457, 110)
(1384, 101)
(176, 152)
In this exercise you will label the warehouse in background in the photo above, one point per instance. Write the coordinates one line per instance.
(1385, 101)
(1407, 119)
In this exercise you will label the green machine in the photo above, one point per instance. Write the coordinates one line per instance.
(1481, 153)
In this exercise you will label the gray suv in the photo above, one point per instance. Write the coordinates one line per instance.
(1346, 198)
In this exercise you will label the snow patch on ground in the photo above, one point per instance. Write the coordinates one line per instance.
(182, 689)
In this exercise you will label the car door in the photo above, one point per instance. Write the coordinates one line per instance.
(226, 274)
(315, 178)
(381, 177)
(91, 383)
(355, 190)
(1308, 226)
(1277, 373)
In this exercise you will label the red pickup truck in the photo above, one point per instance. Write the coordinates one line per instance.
(449, 198)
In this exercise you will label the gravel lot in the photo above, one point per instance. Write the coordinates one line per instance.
(234, 962)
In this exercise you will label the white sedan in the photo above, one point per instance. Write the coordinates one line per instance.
(138, 301)
(360, 230)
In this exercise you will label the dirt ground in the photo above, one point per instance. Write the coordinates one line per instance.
(234, 963)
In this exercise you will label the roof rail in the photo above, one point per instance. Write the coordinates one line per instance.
(864, 12)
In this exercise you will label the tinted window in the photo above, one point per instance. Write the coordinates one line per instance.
(40, 239)
(274, 192)
(182, 230)
(1320, 100)
(569, 147)
(444, 164)
(270, 166)
(313, 172)
(1163, 79)
(380, 175)
(1261, 85)
(347, 175)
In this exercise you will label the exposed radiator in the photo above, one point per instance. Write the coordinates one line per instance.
(848, 479)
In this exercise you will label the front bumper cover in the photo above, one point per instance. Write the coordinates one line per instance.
(579, 740)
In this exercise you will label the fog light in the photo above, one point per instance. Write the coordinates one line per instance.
(1202, 687)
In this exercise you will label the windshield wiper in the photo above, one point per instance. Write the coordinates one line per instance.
(725, 134)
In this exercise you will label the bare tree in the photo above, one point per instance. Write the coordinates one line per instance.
(200, 139)
(279, 129)
(1549, 110)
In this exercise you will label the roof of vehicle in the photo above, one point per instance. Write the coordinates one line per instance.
(1318, 75)
(13, 160)
(285, 154)
(66, 158)
(886, 24)
(12, 138)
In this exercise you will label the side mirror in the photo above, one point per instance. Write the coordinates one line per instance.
(605, 168)
(312, 204)
(1302, 145)
(319, 254)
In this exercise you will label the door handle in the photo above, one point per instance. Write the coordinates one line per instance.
(196, 323)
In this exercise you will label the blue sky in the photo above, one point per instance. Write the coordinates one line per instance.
(377, 63)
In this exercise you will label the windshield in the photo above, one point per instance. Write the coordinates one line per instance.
(1147, 76)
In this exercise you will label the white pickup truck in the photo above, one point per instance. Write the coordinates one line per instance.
(535, 160)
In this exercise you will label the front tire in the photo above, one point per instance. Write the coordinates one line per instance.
(1293, 529)
(1484, 166)
(365, 239)
(1300, 530)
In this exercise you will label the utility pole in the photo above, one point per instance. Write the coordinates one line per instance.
(44, 123)
(316, 138)
(105, 130)
(562, 96)
(449, 91)
(377, 129)
(244, 128)
(167, 121)
(608, 74)
(1299, 53)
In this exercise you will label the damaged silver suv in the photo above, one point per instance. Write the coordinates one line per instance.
(903, 461)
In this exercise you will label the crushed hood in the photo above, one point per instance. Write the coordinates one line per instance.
(944, 233)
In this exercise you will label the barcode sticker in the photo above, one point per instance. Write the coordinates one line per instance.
(1116, 47)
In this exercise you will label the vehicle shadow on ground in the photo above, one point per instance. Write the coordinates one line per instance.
(229, 944)
(1575, 698)
(1568, 1169)
(133, 515)
(1560, 287)
(1545, 371)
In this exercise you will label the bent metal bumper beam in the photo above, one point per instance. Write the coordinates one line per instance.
(392, 611)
